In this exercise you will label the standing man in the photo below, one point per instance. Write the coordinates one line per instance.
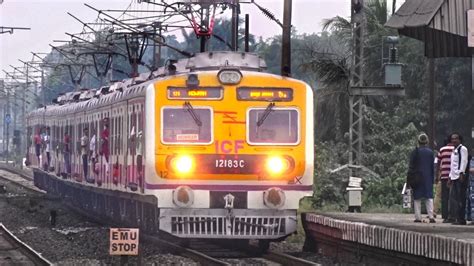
(444, 166)
(422, 161)
(85, 152)
(458, 180)
(67, 153)
(47, 145)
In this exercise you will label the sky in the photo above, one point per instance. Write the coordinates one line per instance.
(48, 20)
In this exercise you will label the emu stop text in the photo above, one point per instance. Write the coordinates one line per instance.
(124, 241)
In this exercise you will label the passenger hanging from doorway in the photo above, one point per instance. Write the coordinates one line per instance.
(116, 172)
(67, 155)
(104, 145)
(93, 157)
(37, 141)
(85, 153)
(139, 147)
(133, 141)
(57, 163)
(47, 148)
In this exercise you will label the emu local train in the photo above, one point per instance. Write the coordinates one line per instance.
(206, 147)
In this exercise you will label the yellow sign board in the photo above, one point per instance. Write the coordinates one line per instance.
(124, 241)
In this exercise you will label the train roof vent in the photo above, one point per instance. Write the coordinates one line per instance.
(217, 60)
(87, 94)
(103, 90)
(76, 96)
(117, 86)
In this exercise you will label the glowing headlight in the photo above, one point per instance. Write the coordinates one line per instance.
(182, 164)
(274, 198)
(183, 196)
(229, 76)
(277, 165)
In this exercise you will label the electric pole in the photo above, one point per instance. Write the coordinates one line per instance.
(286, 40)
(358, 21)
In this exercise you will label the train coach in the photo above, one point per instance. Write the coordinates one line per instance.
(206, 147)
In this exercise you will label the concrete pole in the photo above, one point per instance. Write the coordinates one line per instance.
(286, 40)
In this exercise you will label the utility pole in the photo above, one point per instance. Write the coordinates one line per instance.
(23, 111)
(43, 88)
(358, 21)
(7, 114)
(286, 40)
(204, 21)
(358, 90)
(156, 51)
(235, 25)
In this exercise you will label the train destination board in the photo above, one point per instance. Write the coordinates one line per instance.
(209, 93)
(265, 94)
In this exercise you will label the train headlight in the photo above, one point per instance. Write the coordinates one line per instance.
(183, 196)
(229, 76)
(182, 164)
(277, 165)
(274, 198)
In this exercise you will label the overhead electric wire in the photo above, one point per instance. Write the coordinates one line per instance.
(185, 53)
(74, 63)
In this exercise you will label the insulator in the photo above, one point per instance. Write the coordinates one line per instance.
(393, 55)
(266, 12)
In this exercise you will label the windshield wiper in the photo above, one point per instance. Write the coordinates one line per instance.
(265, 114)
(193, 114)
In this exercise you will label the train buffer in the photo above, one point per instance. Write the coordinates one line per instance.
(387, 239)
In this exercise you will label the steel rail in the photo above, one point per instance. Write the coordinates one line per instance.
(286, 259)
(19, 252)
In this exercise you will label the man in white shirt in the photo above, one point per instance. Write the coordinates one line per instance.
(85, 152)
(458, 180)
(47, 146)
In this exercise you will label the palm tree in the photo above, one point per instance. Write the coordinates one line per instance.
(330, 60)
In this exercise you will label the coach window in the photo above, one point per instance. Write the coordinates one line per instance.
(186, 125)
(277, 126)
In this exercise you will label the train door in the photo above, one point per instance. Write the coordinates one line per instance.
(119, 146)
(139, 140)
(79, 173)
(104, 147)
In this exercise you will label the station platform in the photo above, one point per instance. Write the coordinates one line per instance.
(394, 238)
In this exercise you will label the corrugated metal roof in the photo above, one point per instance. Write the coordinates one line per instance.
(414, 13)
(440, 24)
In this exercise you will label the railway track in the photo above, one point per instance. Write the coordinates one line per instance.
(227, 253)
(204, 252)
(14, 252)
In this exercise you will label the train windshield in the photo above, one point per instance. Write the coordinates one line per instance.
(186, 124)
(272, 126)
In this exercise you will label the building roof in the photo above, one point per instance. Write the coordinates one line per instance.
(440, 24)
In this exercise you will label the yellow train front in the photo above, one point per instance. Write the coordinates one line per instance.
(229, 150)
